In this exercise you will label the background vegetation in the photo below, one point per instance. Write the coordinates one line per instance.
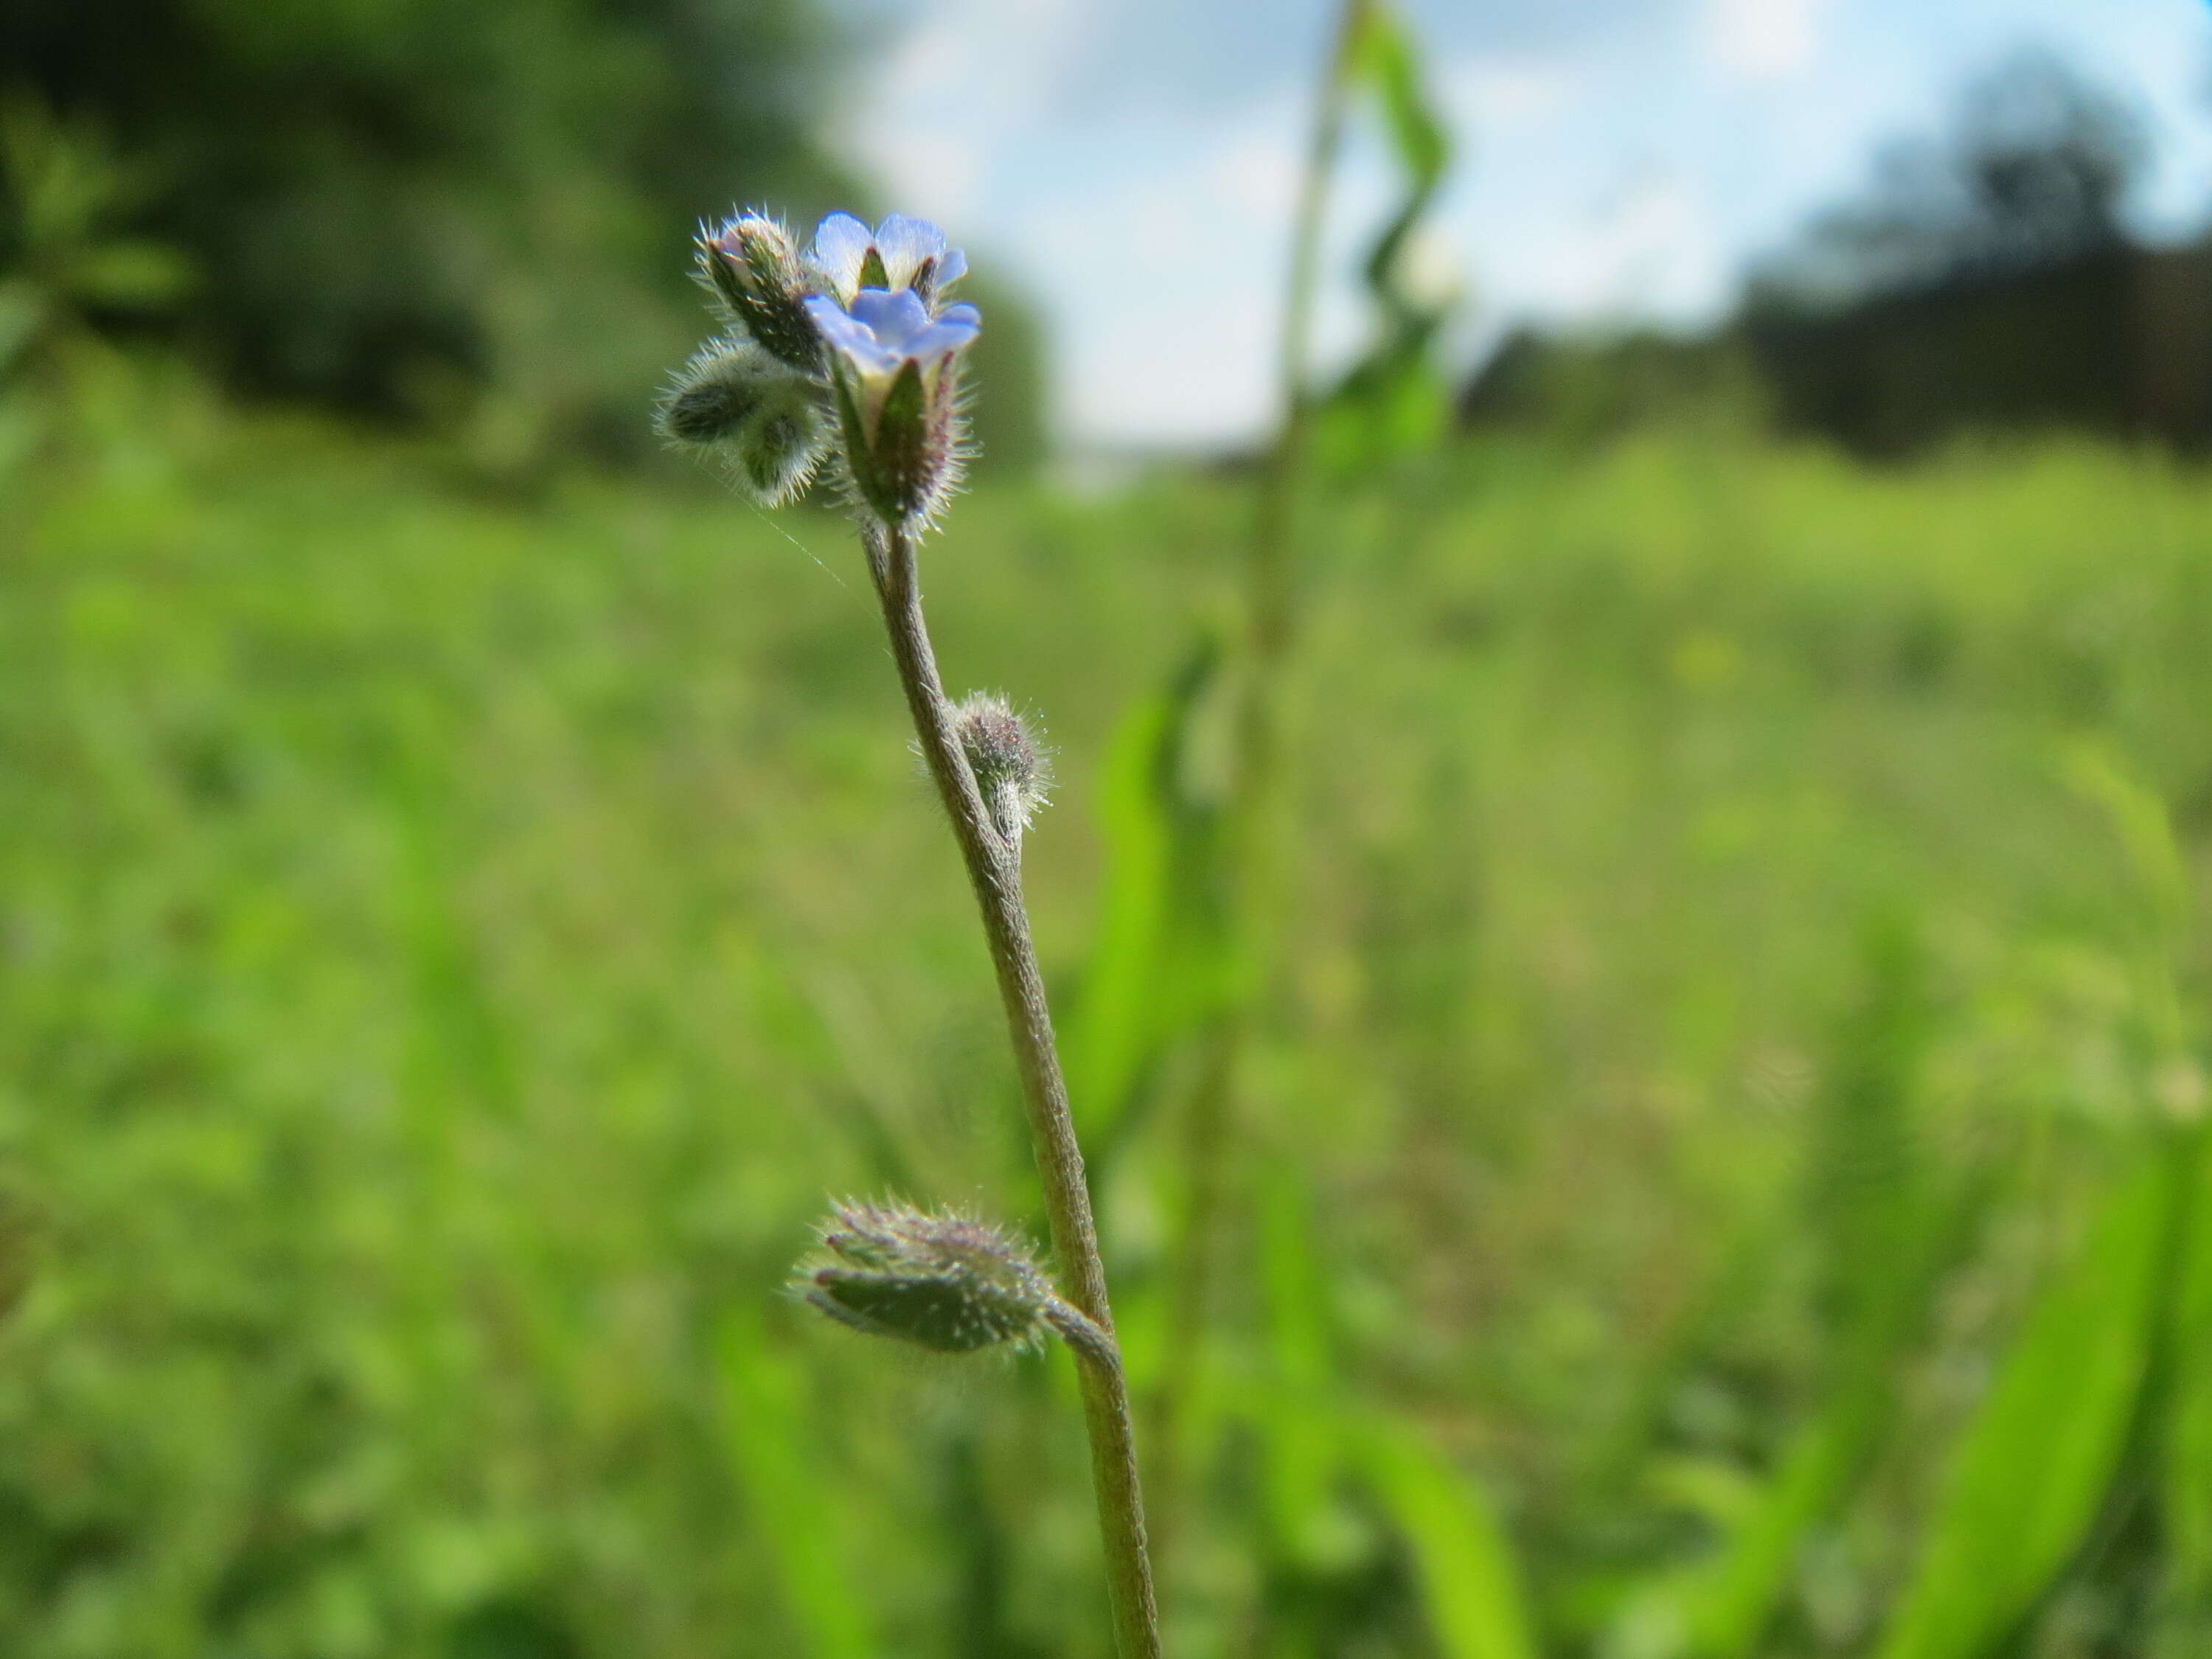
(1723, 1170)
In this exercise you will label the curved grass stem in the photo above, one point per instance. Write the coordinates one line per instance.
(1210, 1129)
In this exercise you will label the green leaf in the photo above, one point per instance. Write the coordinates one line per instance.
(1156, 964)
(2140, 818)
(1883, 1244)
(1105, 1038)
(62, 177)
(22, 314)
(2032, 1470)
(1385, 58)
(1470, 1580)
(1304, 1451)
(21, 425)
(2188, 1469)
(1723, 1605)
(138, 275)
(794, 1517)
(1394, 401)
(1470, 1583)
(1866, 1191)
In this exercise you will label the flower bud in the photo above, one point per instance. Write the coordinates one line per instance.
(1011, 770)
(749, 265)
(941, 1281)
(756, 415)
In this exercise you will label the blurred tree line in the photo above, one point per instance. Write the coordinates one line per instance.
(469, 212)
(1984, 279)
(2034, 172)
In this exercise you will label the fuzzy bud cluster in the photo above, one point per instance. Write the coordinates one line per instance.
(846, 351)
(1013, 769)
(758, 416)
(941, 1281)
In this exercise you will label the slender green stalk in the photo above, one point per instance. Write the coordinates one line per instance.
(1209, 1124)
(1274, 591)
(993, 864)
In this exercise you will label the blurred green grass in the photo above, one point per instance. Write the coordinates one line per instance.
(447, 948)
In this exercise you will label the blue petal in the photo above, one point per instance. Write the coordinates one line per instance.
(834, 327)
(895, 315)
(851, 337)
(942, 335)
(904, 243)
(840, 242)
(951, 268)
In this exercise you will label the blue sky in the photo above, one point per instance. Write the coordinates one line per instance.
(1131, 162)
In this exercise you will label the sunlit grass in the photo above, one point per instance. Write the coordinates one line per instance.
(447, 947)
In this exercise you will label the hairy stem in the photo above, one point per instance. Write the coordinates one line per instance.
(995, 872)
(1209, 1124)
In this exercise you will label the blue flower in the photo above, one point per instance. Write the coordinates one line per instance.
(908, 252)
(885, 328)
(894, 378)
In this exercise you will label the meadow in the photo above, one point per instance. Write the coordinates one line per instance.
(1740, 947)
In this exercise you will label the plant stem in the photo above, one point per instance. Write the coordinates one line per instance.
(1209, 1124)
(1273, 588)
(995, 872)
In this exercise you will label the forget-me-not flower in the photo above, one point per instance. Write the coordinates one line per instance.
(845, 353)
(900, 252)
(895, 380)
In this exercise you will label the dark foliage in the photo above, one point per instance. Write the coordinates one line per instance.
(2032, 173)
(1985, 283)
(386, 199)
(2115, 340)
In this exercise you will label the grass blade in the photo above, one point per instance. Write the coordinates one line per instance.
(765, 1428)
(2188, 1472)
(1470, 1580)
(1153, 968)
(1304, 1449)
(2033, 1467)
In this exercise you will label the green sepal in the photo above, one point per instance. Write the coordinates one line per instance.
(902, 464)
(709, 411)
(860, 458)
(942, 1281)
(950, 1312)
(722, 277)
(771, 449)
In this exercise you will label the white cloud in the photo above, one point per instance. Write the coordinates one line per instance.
(1508, 95)
(1254, 168)
(1764, 40)
(957, 89)
(1657, 251)
(1173, 274)
(1652, 249)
